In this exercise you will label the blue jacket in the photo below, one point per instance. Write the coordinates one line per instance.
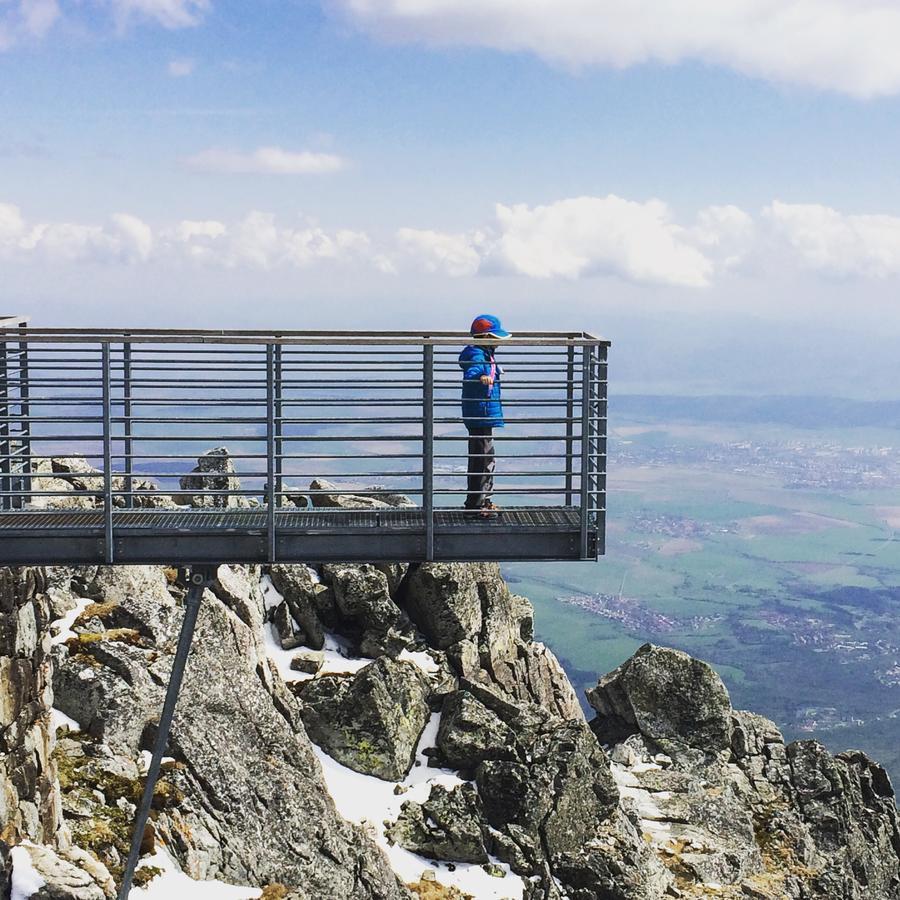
(481, 405)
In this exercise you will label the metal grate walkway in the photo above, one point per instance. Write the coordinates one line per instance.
(174, 536)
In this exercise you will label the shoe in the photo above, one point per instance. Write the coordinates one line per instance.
(489, 511)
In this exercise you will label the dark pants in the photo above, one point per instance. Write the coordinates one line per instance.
(481, 467)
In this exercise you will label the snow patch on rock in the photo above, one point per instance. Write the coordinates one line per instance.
(368, 801)
(173, 884)
(64, 625)
(26, 880)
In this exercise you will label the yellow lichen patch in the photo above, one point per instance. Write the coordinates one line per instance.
(145, 874)
(779, 858)
(433, 890)
(106, 831)
(100, 611)
(122, 635)
(274, 892)
(80, 656)
(171, 575)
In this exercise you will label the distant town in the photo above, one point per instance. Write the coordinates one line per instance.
(799, 464)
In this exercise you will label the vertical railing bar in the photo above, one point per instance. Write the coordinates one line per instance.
(585, 498)
(126, 413)
(570, 424)
(109, 554)
(279, 411)
(602, 383)
(270, 451)
(428, 447)
(5, 443)
(25, 409)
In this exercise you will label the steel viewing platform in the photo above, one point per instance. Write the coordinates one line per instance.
(105, 440)
(376, 413)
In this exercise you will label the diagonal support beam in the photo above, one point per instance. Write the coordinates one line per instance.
(199, 578)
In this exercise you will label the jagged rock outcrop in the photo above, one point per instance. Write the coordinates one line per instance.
(58, 492)
(370, 722)
(78, 877)
(6, 870)
(366, 611)
(723, 801)
(80, 486)
(672, 699)
(113, 677)
(544, 785)
(306, 611)
(487, 632)
(326, 494)
(449, 825)
(245, 790)
(210, 480)
(29, 803)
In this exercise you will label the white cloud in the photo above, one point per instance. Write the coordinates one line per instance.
(456, 255)
(12, 225)
(135, 237)
(724, 233)
(24, 19)
(266, 161)
(168, 13)
(843, 45)
(825, 240)
(259, 241)
(576, 238)
(598, 236)
(188, 229)
(126, 239)
(181, 68)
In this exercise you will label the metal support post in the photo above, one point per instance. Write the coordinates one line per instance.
(270, 451)
(109, 548)
(428, 447)
(25, 410)
(570, 423)
(198, 579)
(601, 458)
(585, 447)
(126, 414)
(279, 413)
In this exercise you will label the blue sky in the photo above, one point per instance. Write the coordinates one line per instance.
(306, 162)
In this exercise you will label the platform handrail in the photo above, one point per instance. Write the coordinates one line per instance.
(376, 412)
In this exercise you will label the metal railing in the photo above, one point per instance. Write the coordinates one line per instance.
(378, 414)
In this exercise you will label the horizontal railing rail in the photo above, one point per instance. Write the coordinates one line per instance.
(123, 420)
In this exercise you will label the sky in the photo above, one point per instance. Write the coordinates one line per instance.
(713, 184)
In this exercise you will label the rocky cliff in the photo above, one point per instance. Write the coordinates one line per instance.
(384, 731)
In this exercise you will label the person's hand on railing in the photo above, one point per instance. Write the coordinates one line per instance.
(487, 380)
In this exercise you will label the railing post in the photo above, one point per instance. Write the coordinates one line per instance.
(5, 443)
(602, 412)
(25, 410)
(279, 440)
(570, 424)
(585, 447)
(270, 451)
(109, 549)
(126, 412)
(428, 447)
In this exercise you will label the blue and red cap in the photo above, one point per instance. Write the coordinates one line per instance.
(488, 326)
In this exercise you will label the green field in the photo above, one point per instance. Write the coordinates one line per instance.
(792, 594)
